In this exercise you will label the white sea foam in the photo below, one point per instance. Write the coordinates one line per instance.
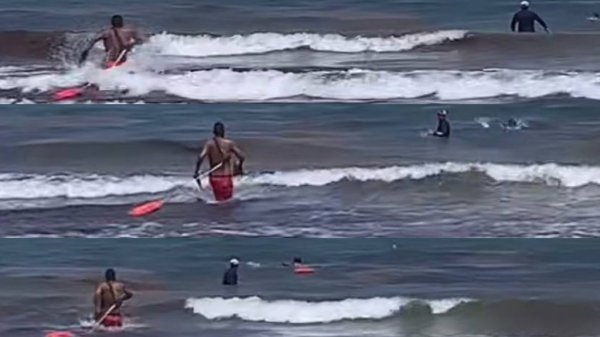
(90, 186)
(207, 45)
(347, 85)
(302, 312)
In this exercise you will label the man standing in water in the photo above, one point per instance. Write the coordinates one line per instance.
(118, 41)
(526, 19)
(108, 294)
(220, 152)
(230, 278)
(443, 128)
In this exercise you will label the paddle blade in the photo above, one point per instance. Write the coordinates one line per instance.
(147, 208)
(67, 94)
(60, 334)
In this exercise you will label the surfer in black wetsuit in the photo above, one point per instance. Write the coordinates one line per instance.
(230, 278)
(526, 19)
(443, 128)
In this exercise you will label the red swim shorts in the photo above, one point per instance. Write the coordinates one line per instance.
(222, 187)
(113, 321)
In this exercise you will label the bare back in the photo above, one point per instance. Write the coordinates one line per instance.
(106, 297)
(221, 150)
(116, 40)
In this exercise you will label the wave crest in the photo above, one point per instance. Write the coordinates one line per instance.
(257, 43)
(304, 312)
(226, 85)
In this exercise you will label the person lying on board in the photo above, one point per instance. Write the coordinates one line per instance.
(118, 42)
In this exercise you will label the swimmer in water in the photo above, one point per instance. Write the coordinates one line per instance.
(525, 19)
(513, 124)
(595, 17)
(443, 128)
(109, 293)
(296, 263)
(230, 278)
(118, 42)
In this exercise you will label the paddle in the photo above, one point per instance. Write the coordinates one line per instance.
(94, 327)
(108, 312)
(153, 206)
(76, 92)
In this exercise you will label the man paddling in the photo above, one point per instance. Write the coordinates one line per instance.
(221, 152)
(118, 41)
(108, 294)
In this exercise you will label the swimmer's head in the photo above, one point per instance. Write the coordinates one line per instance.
(234, 262)
(442, 113)
(219, 129)
(116, 21)
(110, 275)
(297, 260)
(524, 4)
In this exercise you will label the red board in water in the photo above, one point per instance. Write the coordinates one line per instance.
(147, 208)
(67, 94)
(303, 270)
(60, 334)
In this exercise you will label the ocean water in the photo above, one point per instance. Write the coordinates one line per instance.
(361, 287)
(332, 101)
(317, 170)
(302, 51)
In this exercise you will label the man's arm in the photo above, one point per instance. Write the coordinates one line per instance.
(86, 51)
(127, 295)
(513, 23)
(240, 156)
(200, 160)
(238, 153)
(442, 130)
(538, 19)
(98, 302)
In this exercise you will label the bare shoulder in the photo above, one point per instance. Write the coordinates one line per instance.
(209, 143)
(118, 285)
(229, 142)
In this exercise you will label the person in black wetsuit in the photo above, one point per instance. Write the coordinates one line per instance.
(443, 128)
(230, 278)
(526, 19)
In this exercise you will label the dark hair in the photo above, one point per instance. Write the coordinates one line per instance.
(117, 21)
(297, 260)
(219, 129)
(110, 275)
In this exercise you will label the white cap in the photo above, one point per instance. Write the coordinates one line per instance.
(524, 3)
(234, 261)
(443, 112)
